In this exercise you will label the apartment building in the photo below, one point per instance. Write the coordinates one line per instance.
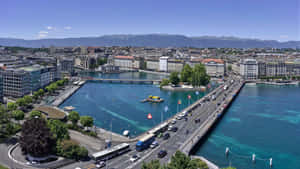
(163, 64)
(152, 64)
(249, 69)
(175, 65)
(124, 62)
(214, 67)
(67, 65)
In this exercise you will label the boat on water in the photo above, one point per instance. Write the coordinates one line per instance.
(69, 108)
(153, 99)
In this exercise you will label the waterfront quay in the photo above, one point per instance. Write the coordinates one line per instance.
(202, 110)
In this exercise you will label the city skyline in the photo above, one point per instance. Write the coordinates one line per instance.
(55, 19)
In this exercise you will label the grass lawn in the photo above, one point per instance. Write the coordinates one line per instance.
(2, 167)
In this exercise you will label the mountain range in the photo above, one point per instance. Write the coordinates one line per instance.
(152, 40)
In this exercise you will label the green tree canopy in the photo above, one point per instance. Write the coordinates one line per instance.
(18, 114)
(21, 102)
(71, 149)
(87, 121)
(58, 129)
(154, 164)
(186, 73)
(36, 138)
(11, 106)
(174, 79)
(164, 82)
(41, 92)
(199, 76)
(27, 99)
(229, 68)
(179, 160)
(35, 113)
(73, 117)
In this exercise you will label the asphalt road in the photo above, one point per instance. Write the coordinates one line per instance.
(172, 144)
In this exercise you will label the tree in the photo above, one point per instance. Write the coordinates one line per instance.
(18, 115)
(73, 117)
(87, 121)
(164, 82)
(58, 129)
(41, 92)
(71, 149)
(179, 160)
(36, 138)
(174, 79)
(35, 113)
(11, 106)
(35, 95)
(229, 68)
(197, 164)
(27, 99)
(154, 164)
(186, 73)
(21, 102)
(199, 76)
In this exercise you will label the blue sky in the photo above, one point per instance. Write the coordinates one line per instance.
(263, 19)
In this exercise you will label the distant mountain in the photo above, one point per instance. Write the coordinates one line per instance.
(152, 40)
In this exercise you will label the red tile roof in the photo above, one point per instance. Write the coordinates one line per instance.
(124, 57)
(213, 60)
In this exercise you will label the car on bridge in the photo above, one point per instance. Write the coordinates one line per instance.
(134, 158)
(162, 154)
(166, 136)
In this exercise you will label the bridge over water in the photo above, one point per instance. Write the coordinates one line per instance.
(128, 81)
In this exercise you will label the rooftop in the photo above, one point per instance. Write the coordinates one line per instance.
(51, 112)
(213, 60)
(124, 57)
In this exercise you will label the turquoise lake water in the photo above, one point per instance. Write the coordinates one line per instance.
(120, 103)
(264, 120)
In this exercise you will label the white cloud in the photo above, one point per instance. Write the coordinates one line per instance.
(50, 27)
(67, 27)
(42, 34)
(284, 36)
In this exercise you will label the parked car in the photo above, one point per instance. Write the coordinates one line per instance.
(166, 136)
(134, 158)
(162, 154)
(173, 121)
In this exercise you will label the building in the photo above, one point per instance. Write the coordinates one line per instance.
(249, 69)
(163, 64)
(152, 64)
(24, 80)
(1, 89)
(16, 83)
(67, 65)
(175, 65)
(214, 67)
(124, 62)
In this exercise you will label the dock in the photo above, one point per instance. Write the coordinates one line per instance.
(61, 98)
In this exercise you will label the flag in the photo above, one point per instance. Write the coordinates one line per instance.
(179, 101)
(166, 108)
(208, 86)
(189, 97)
(149, 116)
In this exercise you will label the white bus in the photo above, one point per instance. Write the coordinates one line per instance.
(111, 152)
